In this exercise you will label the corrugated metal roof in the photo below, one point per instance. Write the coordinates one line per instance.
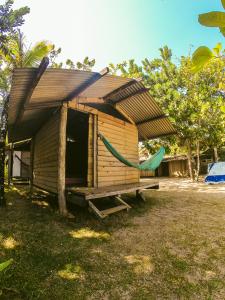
(56, 85)
(141, 108)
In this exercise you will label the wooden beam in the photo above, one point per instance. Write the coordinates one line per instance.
(124, 86)
(152, 119)
(95, 154)
(158, 136)
(43, 105)
(90, 100)
(139, 92)
(123, 113)
(31, 175)
(80, 89)
(62, 161)
(39, 72)
(10, 163)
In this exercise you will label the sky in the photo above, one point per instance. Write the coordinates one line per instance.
(117, 30)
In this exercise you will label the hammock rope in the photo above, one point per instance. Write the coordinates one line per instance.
(150, 164)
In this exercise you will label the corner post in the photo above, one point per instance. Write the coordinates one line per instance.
(62, 161)
(95, 156)
(10, 163)
(31, 171)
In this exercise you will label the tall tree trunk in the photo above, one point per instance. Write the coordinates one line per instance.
(2, 172)
(3, 133)
(216, 158)
(198, 160)
(189, 157)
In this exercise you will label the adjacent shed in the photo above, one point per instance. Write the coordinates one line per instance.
(63, 111)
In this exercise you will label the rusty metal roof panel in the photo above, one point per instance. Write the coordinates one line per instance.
(141, 108)
(104, 86)
(21, 81)
(155, 128)
(56, 85)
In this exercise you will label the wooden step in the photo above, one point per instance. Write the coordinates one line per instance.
(105, 212)
(114, 209)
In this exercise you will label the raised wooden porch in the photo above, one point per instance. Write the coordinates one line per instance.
(84, 196)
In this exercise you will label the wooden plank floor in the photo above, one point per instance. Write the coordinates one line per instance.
(95, 193)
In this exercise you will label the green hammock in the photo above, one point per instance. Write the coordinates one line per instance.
(150, 164)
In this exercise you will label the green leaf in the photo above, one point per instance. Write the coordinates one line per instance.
(5, 264)
(212, 19)
(222, 108)
(217, 49)
(201, 57)
(222, 30)
(223, 3)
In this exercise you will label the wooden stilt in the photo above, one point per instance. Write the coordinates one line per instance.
(95, 158)
(31, 171)
(10, 164)
(62, 161)
(140, 196)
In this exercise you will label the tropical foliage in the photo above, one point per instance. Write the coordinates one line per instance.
(203, 54)
(10, 21)
(20, 55)
(5, 264)
(192, 100)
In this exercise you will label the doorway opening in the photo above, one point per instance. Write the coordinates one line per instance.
(77, 148)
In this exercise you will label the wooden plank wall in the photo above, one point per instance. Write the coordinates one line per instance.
(147, 173)
(124, 137)
(178, 168)
(46, 144)
(25, 169)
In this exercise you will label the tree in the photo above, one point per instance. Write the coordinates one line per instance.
(86, 65)
(10, 21)
(21, 56)
(188, 98)
(203, 54)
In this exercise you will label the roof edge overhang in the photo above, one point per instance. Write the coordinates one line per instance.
(33, 91)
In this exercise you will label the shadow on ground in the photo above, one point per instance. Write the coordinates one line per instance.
(170, 247)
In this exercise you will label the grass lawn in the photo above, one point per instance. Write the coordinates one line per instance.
(172, 247)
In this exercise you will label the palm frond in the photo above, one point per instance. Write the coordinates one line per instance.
(34, 55)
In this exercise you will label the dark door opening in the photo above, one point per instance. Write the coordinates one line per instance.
(77, 148)
(165, 169)
(162, 170)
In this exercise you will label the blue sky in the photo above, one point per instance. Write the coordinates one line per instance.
(116, 30)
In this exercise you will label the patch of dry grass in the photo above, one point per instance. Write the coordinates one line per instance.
(172, 247)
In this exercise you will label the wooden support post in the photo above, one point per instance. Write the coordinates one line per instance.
(95, 156)
(10, 164)
(140, 196)
(62, 161)
(31, 170)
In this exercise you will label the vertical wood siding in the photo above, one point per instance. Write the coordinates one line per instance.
(178, 168)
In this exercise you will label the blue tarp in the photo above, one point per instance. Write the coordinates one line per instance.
(216, 173)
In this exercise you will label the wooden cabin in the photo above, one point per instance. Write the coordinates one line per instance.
(63, 111)
(177, 166)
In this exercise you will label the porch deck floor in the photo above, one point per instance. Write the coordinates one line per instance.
(95, 193)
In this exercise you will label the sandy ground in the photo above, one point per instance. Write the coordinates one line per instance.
(184, 184)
